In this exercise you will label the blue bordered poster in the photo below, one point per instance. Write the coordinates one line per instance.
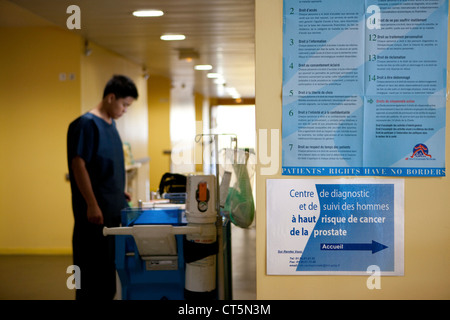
(335, 226)
(364, 87)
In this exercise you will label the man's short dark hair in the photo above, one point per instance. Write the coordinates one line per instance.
(121, 86)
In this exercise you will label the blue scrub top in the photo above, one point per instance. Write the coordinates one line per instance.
(98, 143)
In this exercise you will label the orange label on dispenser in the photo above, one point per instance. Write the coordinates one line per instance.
(202, 192)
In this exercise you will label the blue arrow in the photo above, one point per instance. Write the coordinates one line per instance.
(374, 246)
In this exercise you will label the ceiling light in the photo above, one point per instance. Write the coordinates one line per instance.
(232, 91)
(203, 67)
(148, 13)
(219, 81)
(172, 37)
(213, 75)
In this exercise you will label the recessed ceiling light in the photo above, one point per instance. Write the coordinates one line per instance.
(203, 67)
(148, 13)
(172, 37)
(213, 75)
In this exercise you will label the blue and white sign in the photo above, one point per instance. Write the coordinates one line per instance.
(364, 87)
(322, 227)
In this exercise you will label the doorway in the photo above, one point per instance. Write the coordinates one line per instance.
(240, 120)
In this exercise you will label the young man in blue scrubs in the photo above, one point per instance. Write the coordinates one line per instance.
(97, 178)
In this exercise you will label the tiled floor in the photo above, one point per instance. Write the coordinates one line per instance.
(244, 263)
(35, 277)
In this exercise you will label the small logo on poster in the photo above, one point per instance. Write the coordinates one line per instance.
(420, 152)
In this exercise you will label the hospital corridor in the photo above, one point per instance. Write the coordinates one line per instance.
(170, 87)
(215, 150)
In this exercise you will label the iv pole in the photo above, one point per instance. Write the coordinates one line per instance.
(220, 260)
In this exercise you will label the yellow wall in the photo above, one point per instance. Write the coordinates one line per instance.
(158, 128)
(159, 104)
(199, 100)
(36, 109)
(35, 211)
(96, 70)
(427, 204)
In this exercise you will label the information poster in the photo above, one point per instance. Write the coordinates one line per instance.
(335, 227)
(364, 87)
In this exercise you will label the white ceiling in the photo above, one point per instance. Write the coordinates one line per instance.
(221, 31)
